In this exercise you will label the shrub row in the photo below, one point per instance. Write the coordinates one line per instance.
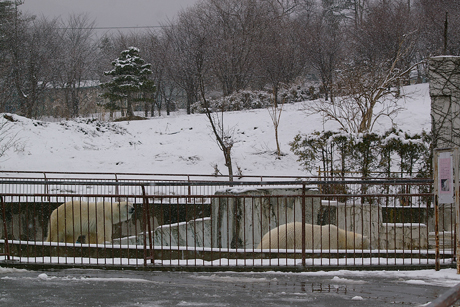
(393, 153)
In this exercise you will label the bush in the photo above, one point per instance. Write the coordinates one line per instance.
(248, 100)
(393, 153)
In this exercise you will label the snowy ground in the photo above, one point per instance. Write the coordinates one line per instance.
(136, 288)
(181, 143)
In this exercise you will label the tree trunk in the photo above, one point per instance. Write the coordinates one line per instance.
(129, 107)
(278, 149)
(228, 162)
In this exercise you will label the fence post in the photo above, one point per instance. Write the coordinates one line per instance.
(189, 190)
(117, 192)
(147, 228)
(445, 174)
(5, 229)
(436, 233)
(457, 206)
(46, 186)
(303, 225)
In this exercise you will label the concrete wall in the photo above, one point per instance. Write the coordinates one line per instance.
(195, 233)
(446, 218)
(403, 236)
(363, 219)
(239, 222)
(444, 72)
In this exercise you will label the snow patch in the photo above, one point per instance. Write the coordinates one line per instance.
(347, 281)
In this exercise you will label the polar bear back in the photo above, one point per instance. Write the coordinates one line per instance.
(94, 221)
(289, 236)
(89, 211)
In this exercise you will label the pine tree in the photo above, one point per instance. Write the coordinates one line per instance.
(130, 81)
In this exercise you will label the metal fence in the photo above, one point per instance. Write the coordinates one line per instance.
(197, 222)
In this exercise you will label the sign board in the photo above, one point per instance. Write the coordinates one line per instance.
(445, 180)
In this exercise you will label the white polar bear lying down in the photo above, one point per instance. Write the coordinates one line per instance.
(289, 236)
(93, 220)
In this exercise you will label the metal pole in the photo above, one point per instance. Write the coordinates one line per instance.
(46, 186)
(147, 228)
(116, 187)
(303, 226)
(457, 206)
(5, 229)
(436, 213)
(436, 231)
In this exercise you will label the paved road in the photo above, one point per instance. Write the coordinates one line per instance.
(132, 288)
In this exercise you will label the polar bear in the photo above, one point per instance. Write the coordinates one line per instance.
(289, 236)
(94, 221)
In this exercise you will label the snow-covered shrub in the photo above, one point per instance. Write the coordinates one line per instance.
(297, 93)
(339, 154)
(248, 100)
(242, 100)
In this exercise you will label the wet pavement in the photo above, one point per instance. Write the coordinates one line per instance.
(76, 287)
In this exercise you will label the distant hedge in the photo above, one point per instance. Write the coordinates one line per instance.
(392, 154)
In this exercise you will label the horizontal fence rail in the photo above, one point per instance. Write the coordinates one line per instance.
(144, 221)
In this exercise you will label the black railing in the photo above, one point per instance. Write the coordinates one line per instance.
(208, 223)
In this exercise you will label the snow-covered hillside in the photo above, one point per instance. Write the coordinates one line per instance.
(180, 143)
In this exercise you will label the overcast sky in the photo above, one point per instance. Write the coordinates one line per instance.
(111, 13)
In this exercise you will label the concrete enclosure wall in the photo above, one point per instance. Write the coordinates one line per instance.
(240, 219)
(444, 72)
(239, 222)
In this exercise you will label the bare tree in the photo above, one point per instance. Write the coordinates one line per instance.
(34, 63)
(77, 61)
(223, 135)
(432, 21)
(234, 28)
(367, 93)
(185, 46)
(280, 54)
(275, 111)
(358, 9)
(323, 42)
(380, 55)
(231, 44)
(200, 68)
(155, 54)
(8, 13)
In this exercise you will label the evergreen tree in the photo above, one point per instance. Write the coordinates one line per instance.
(130, 81)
